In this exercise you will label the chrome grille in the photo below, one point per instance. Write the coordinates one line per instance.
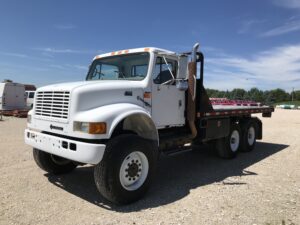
(52, 104)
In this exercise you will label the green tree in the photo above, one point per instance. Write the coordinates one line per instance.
(238, 93)
(256, 95)
(297, 95)
(279, 95)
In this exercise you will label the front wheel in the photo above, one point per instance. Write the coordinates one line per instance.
(127, 168)
(52, 163)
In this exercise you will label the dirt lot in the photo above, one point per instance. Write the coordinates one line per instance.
(261, 187)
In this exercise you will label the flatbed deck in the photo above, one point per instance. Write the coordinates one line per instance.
(224, 110)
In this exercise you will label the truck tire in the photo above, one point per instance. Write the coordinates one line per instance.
(229, 146)
(127, 168)
(51, 163)
(248, 136)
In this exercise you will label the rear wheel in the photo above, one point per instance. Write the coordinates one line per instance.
(229, 146)
(127, 168)
(52, 163)
(249, 136)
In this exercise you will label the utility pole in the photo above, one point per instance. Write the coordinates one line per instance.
(293, 95)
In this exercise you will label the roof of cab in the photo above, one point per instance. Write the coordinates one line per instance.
(135, 50)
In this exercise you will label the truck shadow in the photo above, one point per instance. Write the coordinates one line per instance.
(176, 176)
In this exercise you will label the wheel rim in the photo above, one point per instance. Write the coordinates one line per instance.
(59, 160)
(134, 171)
(251, 136)
(234, 141)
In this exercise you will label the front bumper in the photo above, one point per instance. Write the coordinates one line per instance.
(81, 152)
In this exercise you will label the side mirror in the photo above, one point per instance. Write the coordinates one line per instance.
(182, 85)
(183, 68)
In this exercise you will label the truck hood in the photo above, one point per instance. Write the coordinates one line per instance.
(86, 95)
(101, 84)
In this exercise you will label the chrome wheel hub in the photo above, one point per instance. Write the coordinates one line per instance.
(134, 171)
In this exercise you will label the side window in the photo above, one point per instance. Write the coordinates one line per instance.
(31, 94)
(161, 71)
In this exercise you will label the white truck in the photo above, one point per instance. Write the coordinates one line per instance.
(134, 105)
(30, 99)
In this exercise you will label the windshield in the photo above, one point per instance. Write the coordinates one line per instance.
(120, 67)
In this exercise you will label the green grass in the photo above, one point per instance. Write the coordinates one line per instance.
(297, 103)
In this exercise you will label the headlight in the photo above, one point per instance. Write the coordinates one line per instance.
(90, 128)
(28, 118)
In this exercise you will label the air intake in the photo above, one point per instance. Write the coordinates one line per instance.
(53, 104)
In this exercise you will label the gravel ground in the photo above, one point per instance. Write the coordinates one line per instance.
(261, 187)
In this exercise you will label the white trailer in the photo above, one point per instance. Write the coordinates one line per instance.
(12, 96)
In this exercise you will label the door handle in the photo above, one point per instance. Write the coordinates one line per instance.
(179, 103)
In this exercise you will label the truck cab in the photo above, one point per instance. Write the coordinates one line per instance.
(133, 105)
(29, 99)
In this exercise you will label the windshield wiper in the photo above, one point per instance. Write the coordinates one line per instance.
(120, 73)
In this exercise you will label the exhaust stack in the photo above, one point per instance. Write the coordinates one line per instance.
(191, 106)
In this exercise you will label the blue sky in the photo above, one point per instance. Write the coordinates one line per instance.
(247, 43)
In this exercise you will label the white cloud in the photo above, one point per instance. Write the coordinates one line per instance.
(223, 79)
(247, 25)
(57, 66)
(80, 67)
(290, 26)
(278, 67)
(13, 54)
(51, 51)
(23, 56)
(68, 67)
(293, 4)
(65, 26)
(54, 50)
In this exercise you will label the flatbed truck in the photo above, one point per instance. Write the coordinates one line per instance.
(134, 105)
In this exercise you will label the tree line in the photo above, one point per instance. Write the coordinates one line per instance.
(268, 97)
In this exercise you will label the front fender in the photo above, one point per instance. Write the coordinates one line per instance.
(112, 115)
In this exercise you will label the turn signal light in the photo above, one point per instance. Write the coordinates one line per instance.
(90, 128)
(147, 94)
(97, 128)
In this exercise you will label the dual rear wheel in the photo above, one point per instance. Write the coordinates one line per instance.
(242, 137)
